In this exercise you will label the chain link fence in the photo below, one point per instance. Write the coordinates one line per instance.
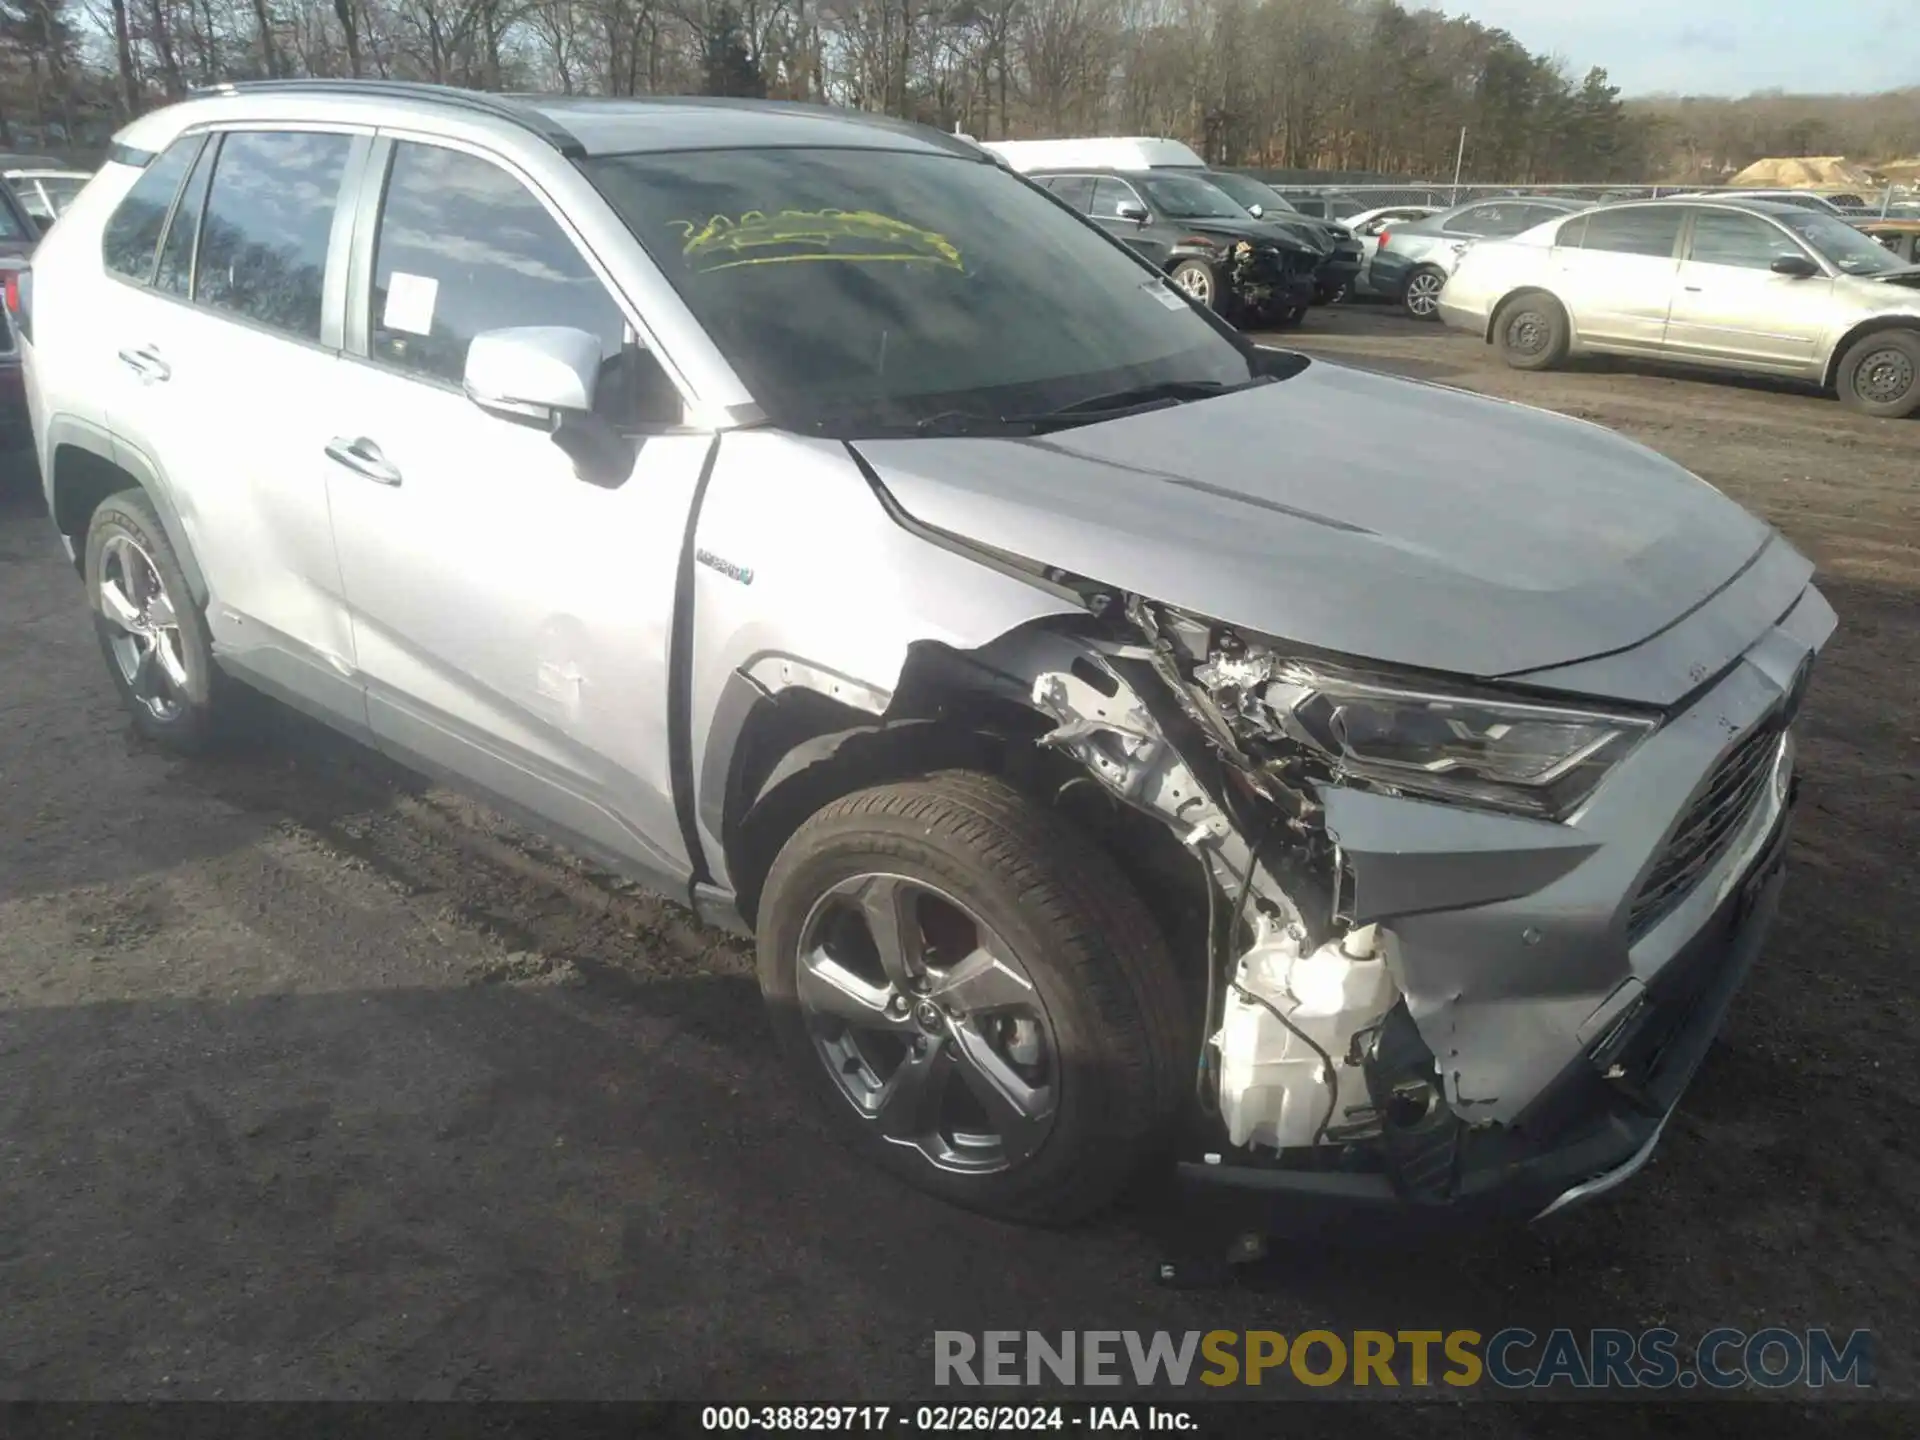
(1356, 196)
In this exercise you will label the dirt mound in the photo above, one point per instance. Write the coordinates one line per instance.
(1806, 171)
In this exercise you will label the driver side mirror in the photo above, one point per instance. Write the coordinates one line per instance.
(1257, 211)
(546, 375)
(1132, 210)
(1797, 267)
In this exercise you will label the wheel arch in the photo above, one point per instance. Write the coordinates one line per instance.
(84, 467)
(797, 751)
(1830, 375)
(1493, 311)
(786, 753)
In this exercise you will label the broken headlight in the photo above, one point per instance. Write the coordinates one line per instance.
(1536, 759)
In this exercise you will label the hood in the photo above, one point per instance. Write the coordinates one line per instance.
(1380, 518)
(1303, 229)
(1247, 229)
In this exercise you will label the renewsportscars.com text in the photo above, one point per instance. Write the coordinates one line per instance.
(1510, 1359)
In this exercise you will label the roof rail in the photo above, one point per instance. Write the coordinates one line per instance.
(475, 101)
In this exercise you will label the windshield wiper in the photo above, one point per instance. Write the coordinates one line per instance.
(1163, 392)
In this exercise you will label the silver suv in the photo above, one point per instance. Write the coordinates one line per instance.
(804, 514)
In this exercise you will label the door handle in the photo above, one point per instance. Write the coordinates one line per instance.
(363, 457)
(145, 362)
(1691, 289)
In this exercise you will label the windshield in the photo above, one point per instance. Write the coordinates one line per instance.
(1248, 192)
(1188, 197)
(1854, 251)
(865, 292)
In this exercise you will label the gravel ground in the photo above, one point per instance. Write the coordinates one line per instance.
(319, 1082)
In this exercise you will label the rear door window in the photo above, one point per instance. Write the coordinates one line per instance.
(1636, 230)
(1073, 191)
(269, 217)
(132, 234)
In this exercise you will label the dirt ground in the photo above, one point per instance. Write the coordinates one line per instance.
(318, 1082)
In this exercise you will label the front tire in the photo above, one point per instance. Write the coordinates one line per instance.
(153, 635)
(1531, 332)
(1421, 299)
(975, 995)
(1199, 281)
(1880, 374)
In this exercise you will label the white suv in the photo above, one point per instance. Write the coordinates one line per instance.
(808, 516)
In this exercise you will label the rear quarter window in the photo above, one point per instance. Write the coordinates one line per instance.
(132, 234)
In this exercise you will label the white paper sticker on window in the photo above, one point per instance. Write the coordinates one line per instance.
(410, 303)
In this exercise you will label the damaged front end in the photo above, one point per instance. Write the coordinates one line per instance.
(1446, 967)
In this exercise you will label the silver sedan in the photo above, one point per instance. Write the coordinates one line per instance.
(1748, 285)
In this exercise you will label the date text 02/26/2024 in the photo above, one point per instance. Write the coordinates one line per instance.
(943, 1419)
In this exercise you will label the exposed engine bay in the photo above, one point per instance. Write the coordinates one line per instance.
(1385, 986)
(1296, 993)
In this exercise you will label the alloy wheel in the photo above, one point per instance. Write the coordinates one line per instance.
(1195, 282)
(1884, 376)
(1423, 293)
(145, 637)
(927, 1023)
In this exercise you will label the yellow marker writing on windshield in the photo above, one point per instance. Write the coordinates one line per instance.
(854, 236)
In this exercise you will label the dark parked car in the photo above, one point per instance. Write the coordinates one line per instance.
(1334, 280)
(18, 235)
(1206, 242)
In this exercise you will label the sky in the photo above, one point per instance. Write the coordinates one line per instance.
(1718, 47)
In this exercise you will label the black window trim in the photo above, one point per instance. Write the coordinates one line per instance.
(1092, 179)
(1683, 234)
(357, 277)
(166, 221)
(215, 131)
(1127, 185)
(207, 152)
(1695, 210)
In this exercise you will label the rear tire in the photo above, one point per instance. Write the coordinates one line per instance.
(1421, 298)
(976, 869)
(153, 634)
(1880, 374)
(1531, 331)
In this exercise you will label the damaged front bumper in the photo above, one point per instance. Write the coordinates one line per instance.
(1593, 1127)
(1560, 982)
(1447, 1010)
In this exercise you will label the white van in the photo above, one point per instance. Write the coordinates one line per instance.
(1125, 152)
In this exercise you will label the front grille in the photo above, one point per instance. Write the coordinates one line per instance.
(1708, 827)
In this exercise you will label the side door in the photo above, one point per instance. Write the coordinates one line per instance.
(1110, 194)
(1073, 191)
(222, 355)
(1730, 305)
(1614, 270)
(138, 403)
(513, 621)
